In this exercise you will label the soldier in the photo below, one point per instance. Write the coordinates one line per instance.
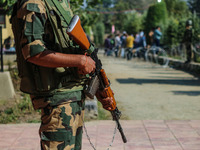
(187, 39)
(53, 70)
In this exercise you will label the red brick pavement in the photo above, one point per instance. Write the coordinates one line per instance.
(141, 135)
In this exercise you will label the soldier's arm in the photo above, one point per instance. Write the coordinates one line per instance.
(33, 47)
(52, 59)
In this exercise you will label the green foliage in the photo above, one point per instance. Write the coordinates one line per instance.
(171, 32)
(196, 29)
(133, 23)
(170, 4)
(181, 30)
(14, 76)
(2, 2)
(156, 16)
(172, 26)
(117, 19)
(7, 6)
(177, 8)
(88, 20)
(181, 9)
(178, 13)
(99, 31)
(106, 115)
(25, 104)
(18, 111)
(7, 118)
(194, 6)
(108, 3)
(76, 4)
(119, 7)
(102, 113)
(135, 4)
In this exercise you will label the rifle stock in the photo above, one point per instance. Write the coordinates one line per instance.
(76, 32)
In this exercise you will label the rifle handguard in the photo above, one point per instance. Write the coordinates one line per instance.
(76, 32)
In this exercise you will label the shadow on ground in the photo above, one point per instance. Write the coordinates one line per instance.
(188, 93)
(159, 81)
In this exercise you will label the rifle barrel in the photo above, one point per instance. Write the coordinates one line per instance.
(116, 115)
(121, 131)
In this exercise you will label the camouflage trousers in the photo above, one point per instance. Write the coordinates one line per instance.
(61, 126)
(189, 51)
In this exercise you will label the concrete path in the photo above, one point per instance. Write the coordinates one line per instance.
(150, 92)
(141, 135)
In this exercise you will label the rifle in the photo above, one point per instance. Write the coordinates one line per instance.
(98, 80)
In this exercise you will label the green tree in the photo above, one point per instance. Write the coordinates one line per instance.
(108, 3)
(181, 30)
(196, 28)
(88, 20)
(177, 8)
(123, 5)
(170, 4)
(194, 6)
(156, 16)
(133, 23)
(178, 13)
(118, 18)
(171, 33)
(6, 6)
(137, 4)
(99, 30)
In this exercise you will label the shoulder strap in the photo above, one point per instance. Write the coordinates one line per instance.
(48, 9)
(60, 36)
(64, 13)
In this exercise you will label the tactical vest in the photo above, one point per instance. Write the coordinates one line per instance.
(43, 81)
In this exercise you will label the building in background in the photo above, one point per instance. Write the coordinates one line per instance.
(7, 31)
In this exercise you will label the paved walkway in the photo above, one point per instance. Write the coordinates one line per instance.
(141, 135)
(146, 91)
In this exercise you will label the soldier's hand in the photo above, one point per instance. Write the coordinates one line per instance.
(107, 102)
(88, 65)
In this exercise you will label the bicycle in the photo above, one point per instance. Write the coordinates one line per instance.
(157, 55)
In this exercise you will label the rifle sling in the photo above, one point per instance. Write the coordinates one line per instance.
(62, 11)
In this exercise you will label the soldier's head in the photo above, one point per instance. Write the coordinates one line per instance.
(188, 24)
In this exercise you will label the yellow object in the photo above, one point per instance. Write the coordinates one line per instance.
(129, 41)
(6, 32)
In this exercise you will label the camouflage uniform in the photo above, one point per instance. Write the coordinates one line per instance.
(187, 39)
(61, 126)
(61, 100)
(188, 43)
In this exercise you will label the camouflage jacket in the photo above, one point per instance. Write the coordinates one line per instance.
(36, 36)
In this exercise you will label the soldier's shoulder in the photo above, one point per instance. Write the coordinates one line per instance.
(33, 5)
